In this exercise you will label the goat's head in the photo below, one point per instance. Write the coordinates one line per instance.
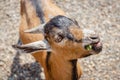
(65, 37)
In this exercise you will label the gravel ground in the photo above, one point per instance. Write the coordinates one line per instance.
(103, 16)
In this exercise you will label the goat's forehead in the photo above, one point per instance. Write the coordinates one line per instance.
(60, 22)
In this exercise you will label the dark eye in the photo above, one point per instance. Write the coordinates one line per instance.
(59, 37)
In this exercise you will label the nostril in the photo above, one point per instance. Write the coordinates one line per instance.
(94, 37)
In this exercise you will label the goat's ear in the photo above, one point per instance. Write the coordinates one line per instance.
(33, 47)
(38, 29)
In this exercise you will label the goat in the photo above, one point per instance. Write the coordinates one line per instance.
(60, 41)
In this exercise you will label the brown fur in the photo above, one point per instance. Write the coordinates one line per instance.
(77, 33)
(60, 66)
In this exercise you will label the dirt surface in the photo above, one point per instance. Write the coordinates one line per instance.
(103, 16)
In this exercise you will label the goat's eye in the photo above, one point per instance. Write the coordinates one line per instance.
(59, 37)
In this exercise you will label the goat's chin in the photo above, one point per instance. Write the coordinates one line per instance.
(91, 53)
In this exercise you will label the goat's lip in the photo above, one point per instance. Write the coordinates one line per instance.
(96, 47)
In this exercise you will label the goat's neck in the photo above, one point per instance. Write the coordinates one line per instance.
(50, 9)
(34, 12)
(44, 2)
(59, 68)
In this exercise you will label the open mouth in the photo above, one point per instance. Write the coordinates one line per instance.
(96, 47)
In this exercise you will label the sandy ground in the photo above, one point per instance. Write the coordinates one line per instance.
(103, 16)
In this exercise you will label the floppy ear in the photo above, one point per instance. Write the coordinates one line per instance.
(38, 29)
(32, 47)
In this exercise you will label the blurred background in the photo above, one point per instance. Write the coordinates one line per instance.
(102, 16)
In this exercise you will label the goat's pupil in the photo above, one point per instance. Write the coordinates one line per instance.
(59, 37)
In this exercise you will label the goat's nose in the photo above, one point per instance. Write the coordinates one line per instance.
(94, 38)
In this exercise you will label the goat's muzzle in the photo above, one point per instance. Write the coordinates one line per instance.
(92, 42)
(96, 44)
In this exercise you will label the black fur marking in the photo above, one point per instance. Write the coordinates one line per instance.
(63, 23)
(48, 65)
(39, 11)
(60, 22)
(47, 59)
(74, 69)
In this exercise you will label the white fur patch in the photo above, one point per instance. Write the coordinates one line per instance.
(88, 32)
